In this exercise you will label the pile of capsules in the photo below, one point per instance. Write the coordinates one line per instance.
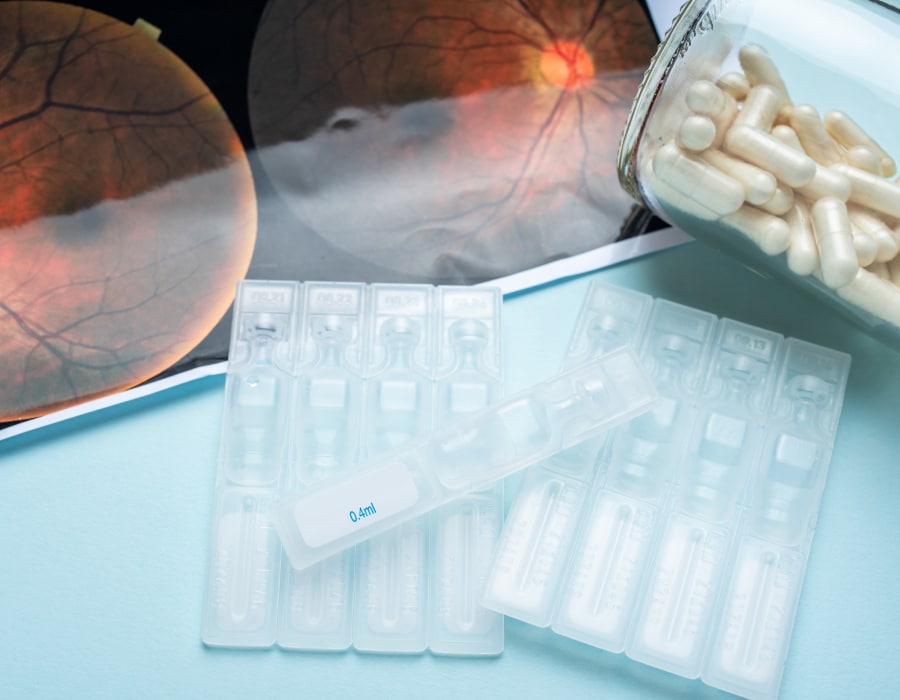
(815, 188)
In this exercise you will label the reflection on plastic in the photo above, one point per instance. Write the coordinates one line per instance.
(478, 450)
(684, 544)
(247, 559)
(320, 376)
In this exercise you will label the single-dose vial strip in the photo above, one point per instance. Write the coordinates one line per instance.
(316, 605)
(245, 556)
(468, 456)
(684, 543)
(322, 376)
(420, 375)
(464, 533)
(756, 611)
(541, 522)
(670, 628)
(391, 571)
(536, 545)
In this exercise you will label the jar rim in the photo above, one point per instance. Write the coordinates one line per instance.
(651, 85)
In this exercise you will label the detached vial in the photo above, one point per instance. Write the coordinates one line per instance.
(768, 129)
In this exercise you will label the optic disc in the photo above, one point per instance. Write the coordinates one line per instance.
(567, 65)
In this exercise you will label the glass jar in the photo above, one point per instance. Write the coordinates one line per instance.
(770, 129)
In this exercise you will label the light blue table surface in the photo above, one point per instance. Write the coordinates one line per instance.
(104, 523)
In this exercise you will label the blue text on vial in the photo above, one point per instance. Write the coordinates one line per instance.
(363, 512)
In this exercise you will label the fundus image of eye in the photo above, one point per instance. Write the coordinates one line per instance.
(455, 140)
(127, 210)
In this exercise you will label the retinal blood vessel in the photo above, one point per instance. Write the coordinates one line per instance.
(127, 208)
(479, 137)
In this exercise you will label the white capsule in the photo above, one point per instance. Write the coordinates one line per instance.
(761, 70)
(849, 134)
(697, 133)
(888, 246)
(826, 183)
(769, 232)
(759, 185)
(706, 64)
(780, 202)
(866, 248)
(670, 198)
(788, 137)
(871, 191)
(784, 114)
(723, 122)
(885, 241)
(816, 142)
(703, 97)
(734, 84)
(874, 295)
(697, 180)
(760, 108)
(802, 255)
(834, 239)
(864, 158)
(791, 167)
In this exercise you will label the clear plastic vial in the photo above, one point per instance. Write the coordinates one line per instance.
(768, 128)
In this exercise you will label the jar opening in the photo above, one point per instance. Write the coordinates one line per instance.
(695, 17)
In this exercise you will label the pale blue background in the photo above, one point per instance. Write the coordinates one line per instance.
(104, 523)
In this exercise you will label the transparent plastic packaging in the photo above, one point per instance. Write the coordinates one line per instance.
(682, 539)
(245, 554)
(472, 454)
(321, 377)
(766, 128)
